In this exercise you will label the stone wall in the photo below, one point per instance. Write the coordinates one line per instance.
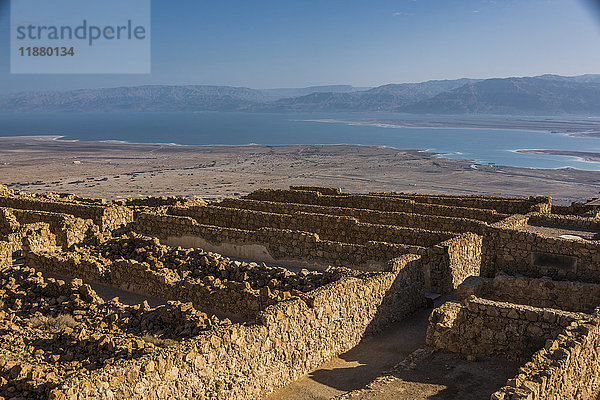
(502, 204)
(567, 368)
(489, 328)
(5, 254)
(576, 209)
(246, 361)
(421, 221)
(8, 222)
(31, 237)
(143, 265)
(161, 201)
(278, 246)
(446, 263)
(509, 250)
(135, 277)
(449, 263)
(105, 216)
(322, 190)
(505, 205)
(328, 227)
(569, 221)
(543, 293)
(371, 202)
(68, 229)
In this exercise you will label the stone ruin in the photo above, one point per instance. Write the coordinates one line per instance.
(211, 314)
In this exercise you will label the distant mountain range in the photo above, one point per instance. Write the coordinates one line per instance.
(541, 95)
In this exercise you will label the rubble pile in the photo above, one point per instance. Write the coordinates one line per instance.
(211, 268)
(50, 329)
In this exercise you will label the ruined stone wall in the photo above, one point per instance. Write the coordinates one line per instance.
(567, 368)
(106, 217)
(495, 329)
(543, 293)
(505, 205)
(448, 264)
(576, 209)
(270, 245)
(421, 221)
(31, 237)
(245, 361)
(328, 227)
(68, 229)
(129, 275)
(517, 252)
(5, 254)
(379, 203)
(8, 222)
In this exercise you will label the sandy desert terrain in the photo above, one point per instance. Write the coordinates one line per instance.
(113, 170)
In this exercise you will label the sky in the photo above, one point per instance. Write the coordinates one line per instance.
(289, 43)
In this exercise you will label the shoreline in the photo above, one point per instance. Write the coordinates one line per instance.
(587, 127)
(113, 170)
(585, 156)
(432, 152)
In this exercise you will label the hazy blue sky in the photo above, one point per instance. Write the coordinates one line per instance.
(285, 43)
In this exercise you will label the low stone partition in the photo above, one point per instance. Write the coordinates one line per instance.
(566, 221)
(567, 368)
(277, 246)
(420, 221)
(371, 202)
(329, 227)
(505, 205)
(68, 229)
(516, 252)
(322, 190)
(543, 293)
(489, 328)
(246, 361)
(576, 209)
(107, 217)
(161, 201)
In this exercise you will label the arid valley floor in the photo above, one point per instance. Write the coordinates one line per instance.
(113, 170)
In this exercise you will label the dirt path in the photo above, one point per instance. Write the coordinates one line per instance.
(396, 365)
(359, 366)
(436, 375)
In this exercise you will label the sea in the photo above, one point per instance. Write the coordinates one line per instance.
(482, 146)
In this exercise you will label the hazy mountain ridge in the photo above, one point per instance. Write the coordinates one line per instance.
(382, 98)
(280, 93)
(542, 95)
(138, 98)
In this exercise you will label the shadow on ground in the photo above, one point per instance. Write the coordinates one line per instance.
(359, 366)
